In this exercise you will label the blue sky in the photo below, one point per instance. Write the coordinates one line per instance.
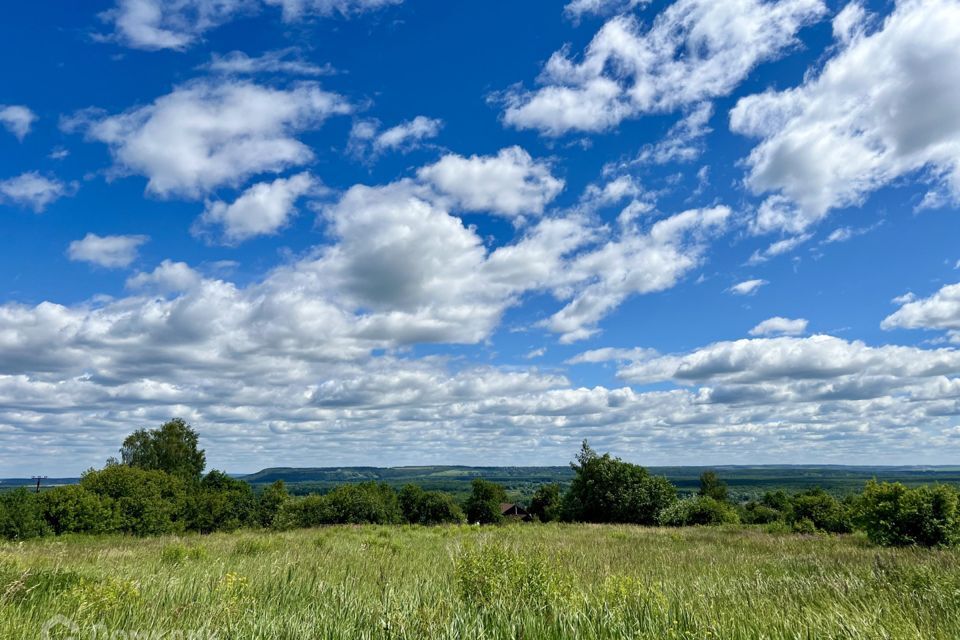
(332, 232)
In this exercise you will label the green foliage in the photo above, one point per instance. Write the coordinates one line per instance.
(606, 489)
(171, 448)
(270, 501)
(894, 515)
(546, 503)
(221, 503)
(822, 509)
(367, 503)
(178, 552)
(74, 509)
(483, 505)
(711, 486)
(495, 576)
(699, 510)
(22, 515)
(146, 502)
(428, 507)
(754, 512)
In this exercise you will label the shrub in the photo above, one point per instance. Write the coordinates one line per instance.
(221, 503)
(820, 508)
(22, 517)
(428, 507)
(699, 510)
(270, 501)
(606, 489)
(545, 505)
(483, 505)
(366, 503)
(893, 515)
(758, 513)
(73, 509)
(146, 502)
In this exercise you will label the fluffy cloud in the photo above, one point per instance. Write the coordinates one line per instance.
(366, 138)
(262, 209)
(886, 105)
(178, 24)
(779, 325)
(510, 184)
(747, 287)
(780, 247)
(639, 261)
(171, 24)
(17, 119)
(106, 251)
(205, 135)
(695, 50)
(33, 190)
(939, 311)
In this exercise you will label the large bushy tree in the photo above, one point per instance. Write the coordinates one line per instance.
(894, 515)
(545, 505)
(147, 502)
(607, 489)
(483, 505)
(173, 448)
(428, 507)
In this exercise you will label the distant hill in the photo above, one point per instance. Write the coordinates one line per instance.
(744, 480)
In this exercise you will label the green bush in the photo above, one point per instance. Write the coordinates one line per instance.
(546, 503)
(822, 509)
(21, 515)
(483, 505)
(607, 489)
(893, 515)
(221, 503)
(428, 507)
(755, 512)
(270, 501)
(699, 510)
(146, 502)
(73, 509)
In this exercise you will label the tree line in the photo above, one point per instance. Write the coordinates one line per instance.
(158, 486)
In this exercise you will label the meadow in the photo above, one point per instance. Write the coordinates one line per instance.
(461, 581)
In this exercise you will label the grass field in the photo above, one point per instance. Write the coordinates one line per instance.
(522, 581)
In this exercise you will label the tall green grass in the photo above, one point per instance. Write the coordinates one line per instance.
(536, 581)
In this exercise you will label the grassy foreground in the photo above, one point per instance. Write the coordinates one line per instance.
(564, 581)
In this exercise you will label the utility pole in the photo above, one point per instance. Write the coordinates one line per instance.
(38, 479)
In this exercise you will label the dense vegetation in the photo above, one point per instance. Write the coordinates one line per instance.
(457, 581)
(159, 487)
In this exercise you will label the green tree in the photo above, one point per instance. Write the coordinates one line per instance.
(711, 486)
(545, 504)
(894, 515)
(22, 517)
(173, 448)
(147, 502)
(221, 503)
(428, 507)
(822, 509)
(607, 489)
(699, 510)
(483, 505)
(73, 509)
(270, 501)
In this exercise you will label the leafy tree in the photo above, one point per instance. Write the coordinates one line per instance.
(73, 509)
(147, 502)
(894, 515)
(483, 505)
(270, 501)
(755, 512)
(171, 448)
(711, 486)
(607, 489)
(428, 507)
(546, 503)
(221, 503)
(822, 509)
(22, 518)
(364, 503)
(699, 510)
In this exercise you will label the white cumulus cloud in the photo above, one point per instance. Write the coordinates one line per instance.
(106, 251)
(17, 119)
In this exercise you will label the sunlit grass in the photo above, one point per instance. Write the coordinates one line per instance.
(532, 581)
